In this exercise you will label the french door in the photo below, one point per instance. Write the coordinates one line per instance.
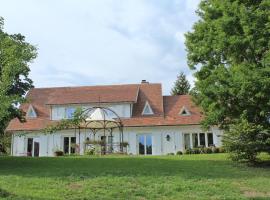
(33, 147)
(145, 144)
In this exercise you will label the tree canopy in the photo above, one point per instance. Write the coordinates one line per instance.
(229, 50)
(181, 85)
(15, 57)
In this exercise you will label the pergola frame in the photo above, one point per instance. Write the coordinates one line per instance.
(107, 124)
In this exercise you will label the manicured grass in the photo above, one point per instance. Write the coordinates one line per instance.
(210, 176)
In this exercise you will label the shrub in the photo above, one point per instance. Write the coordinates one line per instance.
(58, 153)
(188, 151)
(179, 153)
(215, 149)
(195, 151)
(245, 140)
(90, 152)
(170, 154)
(206, 150)
(222, 150)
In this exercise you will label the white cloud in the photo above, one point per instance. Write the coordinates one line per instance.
(103, 41)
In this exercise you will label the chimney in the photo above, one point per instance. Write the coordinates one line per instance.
(144, 82)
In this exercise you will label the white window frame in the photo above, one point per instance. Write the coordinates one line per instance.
(150, 109)
(31, 109)
(186, 111)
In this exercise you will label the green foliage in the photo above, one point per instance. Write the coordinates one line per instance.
(15, 56)
(230, 50)
(5, 143)
(188, 151)
(58, 153)
(63, 124)
(204, 150)
(245, 141)
(90, 152)
(179, 153)
(207, 150)
(181, 85)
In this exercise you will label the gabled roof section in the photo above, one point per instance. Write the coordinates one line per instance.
(147, 110)
(151, 93)
(31, 113)
(174, 104)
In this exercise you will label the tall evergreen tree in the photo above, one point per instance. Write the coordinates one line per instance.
(181, 85)
(15, 56)
(230, 50)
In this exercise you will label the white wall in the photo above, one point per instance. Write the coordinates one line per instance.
(50, 142)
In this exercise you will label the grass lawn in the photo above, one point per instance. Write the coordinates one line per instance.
(210, 176)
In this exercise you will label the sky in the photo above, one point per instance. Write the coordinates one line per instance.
(98, 42)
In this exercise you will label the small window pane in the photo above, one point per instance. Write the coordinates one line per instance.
(72, 144)
(210, 139)
(187, 141)
(141, 144)
(195, 140)
(70, 112)
(66, 145)
(29, 146)
(149, 144)
(202, 139)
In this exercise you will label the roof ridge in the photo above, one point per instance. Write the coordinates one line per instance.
(86, 86)
(181, 95)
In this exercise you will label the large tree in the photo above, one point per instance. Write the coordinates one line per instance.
(229, 50)
(15, 56)
(181, 85)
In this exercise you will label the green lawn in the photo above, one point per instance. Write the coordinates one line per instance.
(112, 177)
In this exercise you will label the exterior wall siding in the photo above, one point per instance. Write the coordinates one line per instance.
(160, 144)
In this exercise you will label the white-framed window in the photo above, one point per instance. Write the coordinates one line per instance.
(194, 140)
(58, 112)
(145, 144)
(147, 110)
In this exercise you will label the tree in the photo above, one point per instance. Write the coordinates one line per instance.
(229, 50)
(15, 56)
(245, 140)
(181, 85)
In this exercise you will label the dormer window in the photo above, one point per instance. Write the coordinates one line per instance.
(184, 111)
(31, 113)
(147, 110)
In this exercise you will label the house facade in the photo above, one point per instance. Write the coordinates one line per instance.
(153, 124)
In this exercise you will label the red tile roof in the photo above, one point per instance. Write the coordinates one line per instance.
(93, 94)
(172, 107)
(151, 93)
(166, 108)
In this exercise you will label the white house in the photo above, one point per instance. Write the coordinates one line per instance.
(153, 124)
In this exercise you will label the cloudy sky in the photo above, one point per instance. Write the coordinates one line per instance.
(96, 42)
